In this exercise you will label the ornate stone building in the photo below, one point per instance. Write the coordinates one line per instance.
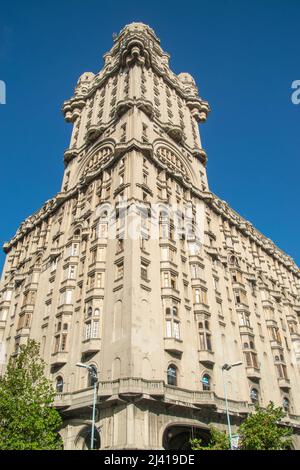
(157, 315)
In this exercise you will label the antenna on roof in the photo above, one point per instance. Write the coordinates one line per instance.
(114, 35)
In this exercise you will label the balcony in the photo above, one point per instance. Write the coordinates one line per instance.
(253, 373)
(173, 345)
(212, 251)
(55, 251)
(170, 292)
(19, 278)
(201, 308)
(245, 329)
(69, 154)
(65, 309)
(295, 336)
(271, 322)
(250, 276)
(206, 357)
(59, 358)
(174, 131)
(91, 346)
(22, 331)
(148, 389)
(275, 344)
(284, 383)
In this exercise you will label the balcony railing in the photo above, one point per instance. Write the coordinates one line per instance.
(155, 389)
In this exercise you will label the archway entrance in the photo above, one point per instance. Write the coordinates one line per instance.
(177, 437)
(83, 441)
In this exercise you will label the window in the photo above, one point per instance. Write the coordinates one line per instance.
(194, 271)
(216, 283)
(102, 230)
(120, 245)
(69, 296)
(206, 382)
(92, 375)
(89, 311)
(286, 404)
(119, 269)
(251, 359)
(144, 270)
(244, 319)
(166, 279)
(274, 334)
(63, 342)
(281, 367)
(169, 280)
(172, 375)
(3, 314)
(200, 296)
(74, 249)
(91, 328)
(176, 329)
(59, 386)
(71, 272)
(172, 324)
(254, 395)
(123, 135)
(60, 340)
(204, 336)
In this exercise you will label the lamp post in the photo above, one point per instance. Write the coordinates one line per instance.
(227, 367)
(94, 377)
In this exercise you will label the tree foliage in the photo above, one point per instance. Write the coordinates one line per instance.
(27, 419)
(219, 441)
(262, 430)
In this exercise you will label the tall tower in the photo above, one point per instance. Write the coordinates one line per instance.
(137, 269)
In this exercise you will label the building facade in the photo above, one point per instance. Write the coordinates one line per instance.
(136, 268)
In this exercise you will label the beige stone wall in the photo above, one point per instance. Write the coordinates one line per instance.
(87, 297)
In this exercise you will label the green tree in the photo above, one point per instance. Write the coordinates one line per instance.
(262, 430)
(27, 419)
(219, 441)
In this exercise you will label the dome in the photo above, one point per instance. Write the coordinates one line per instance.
(86, 77)
(186, 79)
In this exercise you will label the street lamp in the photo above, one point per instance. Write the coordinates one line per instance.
(227, 367)
(94, 377)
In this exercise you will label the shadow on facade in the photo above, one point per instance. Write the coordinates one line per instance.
(177, 437)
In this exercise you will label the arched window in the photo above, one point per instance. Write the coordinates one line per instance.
(206, 382)
(174, 311)
(172, 375)
(59, 387)
(97, 312)
(89, 311)
(286, 404)
(254, 395)
(233, 260)
(92, 375)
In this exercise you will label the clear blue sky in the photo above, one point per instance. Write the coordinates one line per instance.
(244, 56)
